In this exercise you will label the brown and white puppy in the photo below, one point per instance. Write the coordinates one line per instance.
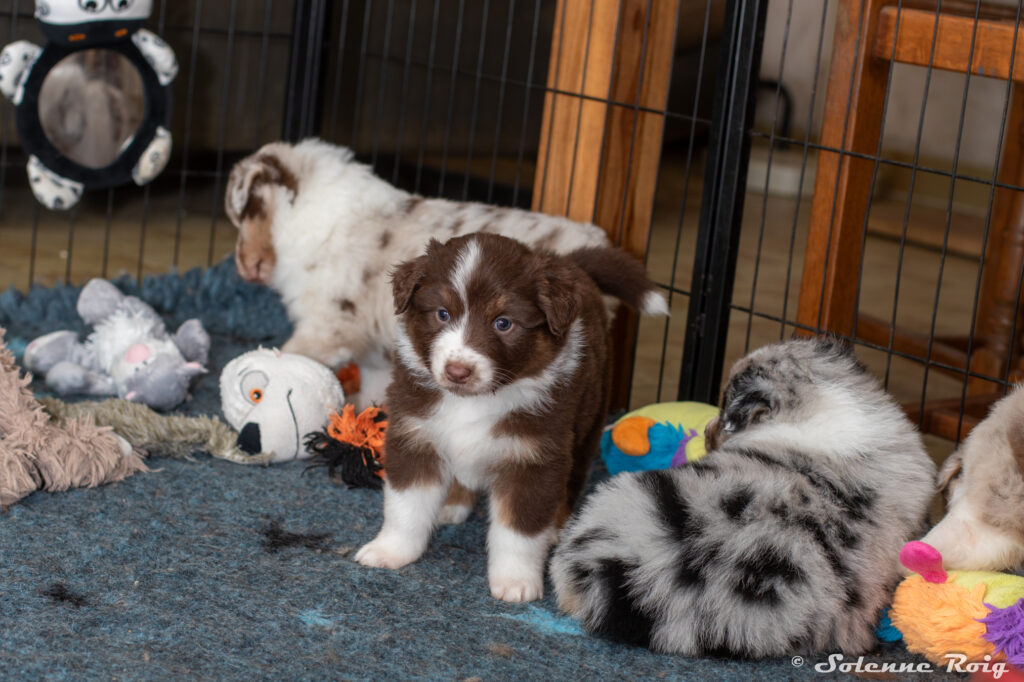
(983, 482)
(324, 232)
(500, 385)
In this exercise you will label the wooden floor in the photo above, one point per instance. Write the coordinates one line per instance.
(145, 232)
(175, 224)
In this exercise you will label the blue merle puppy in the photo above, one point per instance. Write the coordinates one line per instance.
(783, 539)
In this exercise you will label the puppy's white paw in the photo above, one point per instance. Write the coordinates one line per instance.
(454, 514)
(383, 554)
(517, 588)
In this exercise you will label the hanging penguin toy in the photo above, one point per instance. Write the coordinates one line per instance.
(93, 104)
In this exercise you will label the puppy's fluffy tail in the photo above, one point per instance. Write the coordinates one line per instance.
(618, 274)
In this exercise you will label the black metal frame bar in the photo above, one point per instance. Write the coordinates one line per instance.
(304, 94)
(721, 212)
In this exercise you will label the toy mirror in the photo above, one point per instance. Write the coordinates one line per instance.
(93, 104)
(90, 104)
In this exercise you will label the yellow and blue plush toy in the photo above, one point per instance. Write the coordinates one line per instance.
(659, 436)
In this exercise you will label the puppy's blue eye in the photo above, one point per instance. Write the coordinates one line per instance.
(503, 324)
(443, 315)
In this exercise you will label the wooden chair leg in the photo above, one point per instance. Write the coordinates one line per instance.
(842, 189)
(828, 294)
(998, 300)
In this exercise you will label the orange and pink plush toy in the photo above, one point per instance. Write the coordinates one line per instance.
(975, 614)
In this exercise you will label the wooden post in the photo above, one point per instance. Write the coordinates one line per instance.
(599, 154)
(842, 188)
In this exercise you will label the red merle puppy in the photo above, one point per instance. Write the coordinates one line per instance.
(500, 385)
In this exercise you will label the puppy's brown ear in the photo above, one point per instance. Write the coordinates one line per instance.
(252, 172)
(558, 296)
(236, 198)
(949, 472)
(277, 172)
(405, 280)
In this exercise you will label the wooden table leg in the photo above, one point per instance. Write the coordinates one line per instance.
(999, 298)
(842, 189)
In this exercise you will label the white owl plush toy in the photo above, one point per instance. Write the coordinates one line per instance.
(93, 104)
(275, 399)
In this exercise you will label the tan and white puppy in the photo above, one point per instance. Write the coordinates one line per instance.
(325, 233)
(984, 486)
(500, 386)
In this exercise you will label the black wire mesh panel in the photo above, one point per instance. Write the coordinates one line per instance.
(453, 98)
(558, 106)
(895, 210)
(443, 97)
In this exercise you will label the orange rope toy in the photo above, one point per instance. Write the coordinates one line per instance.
(354, 445)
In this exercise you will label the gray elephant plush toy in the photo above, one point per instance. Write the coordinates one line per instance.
(129, 353)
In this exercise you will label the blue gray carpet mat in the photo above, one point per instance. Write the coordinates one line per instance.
(212, 570)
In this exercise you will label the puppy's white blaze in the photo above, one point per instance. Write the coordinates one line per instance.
(515, 562)
(469, 258)
(450, 346)
(654, 304)
(409, 517)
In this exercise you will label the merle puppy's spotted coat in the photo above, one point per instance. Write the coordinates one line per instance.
(783, 539)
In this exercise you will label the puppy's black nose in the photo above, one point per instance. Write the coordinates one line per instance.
(249, 438)
(457, 372)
